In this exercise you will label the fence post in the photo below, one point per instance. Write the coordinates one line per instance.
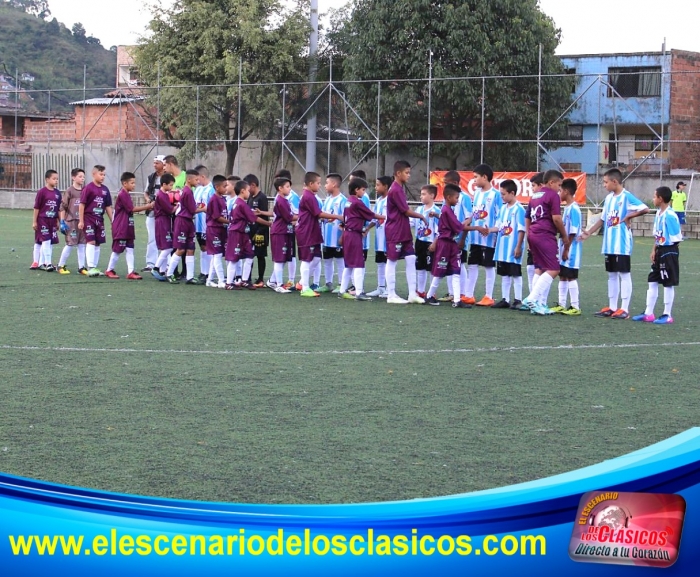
(430, 106)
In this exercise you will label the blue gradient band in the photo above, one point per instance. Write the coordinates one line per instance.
(545, 507)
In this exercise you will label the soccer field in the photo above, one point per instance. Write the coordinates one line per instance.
(190, 392)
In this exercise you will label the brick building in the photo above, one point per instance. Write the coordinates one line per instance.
(685, 110)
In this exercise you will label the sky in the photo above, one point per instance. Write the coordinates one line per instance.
(588, 26)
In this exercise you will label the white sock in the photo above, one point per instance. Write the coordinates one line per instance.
(97, 255)
(216, 267)
(81, 256)
(626, 290)
(506, 283)
(239, 269)
(563, 292)
(434, 285)
(162, 260)
(65, 253)
(518, 288)
(340, 267)
(345, 281)
(652, 295)
(574, 294)
(421, 279)
(535, 278)
(328, 270)
(463, 279)
(490, 280)
(316, 268)
(381, 275)
(358, 277)
(669, 294)
(37, 252)
(530, 277)
(291, 270)
(277, 273)
(47, 250)
(189, 262)
(304, 269)
(174, 262)
(205, 262)
(130, 260)
(391, 277)
(90, 255)
(542, 287)
(247, 268)
(613, 290)
(454, 280)
(473, 277)
(113, 259)
(230, 272)
(411, 274)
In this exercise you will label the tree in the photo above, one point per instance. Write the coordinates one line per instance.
(39, 8)
(468, 38)
(202, 43)
(78, 31)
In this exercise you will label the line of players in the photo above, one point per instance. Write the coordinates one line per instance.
(335, 231)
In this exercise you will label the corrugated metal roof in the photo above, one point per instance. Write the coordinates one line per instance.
(105, 101)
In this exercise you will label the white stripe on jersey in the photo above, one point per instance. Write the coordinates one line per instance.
(511, 221)
(294, 200)
(380, 231)
(331, 230)
(617, 237)
(667, 228)
(572, 224)
(202, 195)
(429, 233)
(487, 205)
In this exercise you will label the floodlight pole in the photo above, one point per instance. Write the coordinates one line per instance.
(311, 122)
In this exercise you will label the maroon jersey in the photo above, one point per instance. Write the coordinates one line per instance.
(449, 226)
(96, 199)
(188, 206)
(356, 214)
(216, 208)
(123, 224)
(47, 202)
(283, 217)
(242, 216)
(308, 227)
(70, 204)
(398, 225)
(543, 206)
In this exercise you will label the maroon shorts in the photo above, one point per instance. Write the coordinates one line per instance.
(238, 247)
(46, 230)
(399, 250)
(447, 259)
(95, 232)
(120, 245)
(183, 234)
(216, 241)
(309, 253)
(282, 247)
(545, 251)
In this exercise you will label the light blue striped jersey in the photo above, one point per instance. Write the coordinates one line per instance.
(667, 228)
(511, 222)
(319, 200)
(294, 199)
(617, 237)
(426, 233)
(379, 231)
(572, 223)
(485, 210)
(331, 230)
(202, 194)
(463, 209)
(229, 202)
(366, 201)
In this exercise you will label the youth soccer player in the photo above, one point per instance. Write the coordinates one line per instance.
(678, 202)
(184, 231)
(293, 200)
(259, 233)
(70, 215)
(568, 271)
(356, 214)
(665, 269)
(95, 202)
(332, 245)
(399, 240)
(282, 234)
(447, 249)
(463, 211)
(203, 193)
(163, 210)
(362, 175)
(537, 182)
(123, 229)
(619, 209)
(309, 236)
(46, 222)
(543, 221)
(217, 221)
(510, 227)
(425, 236)
(482, 244)
(382, 189)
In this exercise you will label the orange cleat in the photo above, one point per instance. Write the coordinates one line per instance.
(486, 302)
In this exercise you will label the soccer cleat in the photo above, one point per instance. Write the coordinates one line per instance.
(620, 315)
(271, 285)
(228, 287)
(83, 271)
(384, 294)
(211, 284)
(468, 300)
(258, 284)
(245, 285)
(48, 268)
(281, 290)
(604, 313)
(308, 293)
(362, 297)
(376, 292)
(202, 277)
(446, 299)
(221, 285)
(111, 274)
(63, 270)
(516, 305)
(541, 309)
(134, 276)
(664, 320)
(572, 312)
(336, 290)
(415, 299)
(147, 268)
(35, 266)
(298, 287)
(485, 302)
(558, 309)
(527, 304)
(421, 295)
(502, 304)
(432, 301)
(193, 281)
(326, 288)
(172, 279)
(346, 295)
(460, 304)
(396, 300)
(644, 318)
(94, 271)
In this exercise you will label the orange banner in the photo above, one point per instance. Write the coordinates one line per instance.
(522, 179)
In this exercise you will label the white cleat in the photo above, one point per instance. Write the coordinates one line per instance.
(397, 300)
(416, 300)
(221, 285)
(280, 289)
(375, 293)
(211, 284)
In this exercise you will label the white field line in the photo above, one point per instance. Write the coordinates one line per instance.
(355, 352)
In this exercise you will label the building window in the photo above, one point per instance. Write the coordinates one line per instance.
(574, 134)
(574, 79)
(635, 81)
(645, 142)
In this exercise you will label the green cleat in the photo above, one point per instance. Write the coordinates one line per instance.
(93, 272)
(558, 309)
(172, 279)
(308, 293)
(346, 295)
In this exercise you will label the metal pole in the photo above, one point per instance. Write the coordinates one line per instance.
(284, 124)
(330, 110)
(119, 140)
(663, 112)
(14, 181)
(379, 100)
(84, 111)
(48, 132)
(196, 130)
(483, 115)
(158, 114)
(597, 160)
(539, 106)
(238, 123)
(430, 118)
(311, 131)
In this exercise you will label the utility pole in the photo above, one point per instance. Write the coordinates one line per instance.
(311, 122)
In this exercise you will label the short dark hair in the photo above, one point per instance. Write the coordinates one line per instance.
(167, 178)
(431, 188)
(311, 177)
(614, 174)
(49, 174)
(452, 176)
(356, 184)
(284, 173)
(252, 179)
(241, 185)
(537, 178)
(552, 175)
(450, 190)
(170, 159)
(569, 185)
(664, 193)
(192, 172)
(358, 174)
(484, 170)
(335, 176)
(280, 182)
(509, 186)
(202, 170)
(385, 180)
(218, 179)
(233, 178)
(400, 165)
(76, 171)
(99, 168)
(127, 176)
(679, 183)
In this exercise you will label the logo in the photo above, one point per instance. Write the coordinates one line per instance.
(641, 529)
(285, 249)
(216, 242)
(480, 212)
(182, 237)
(537, 213)
(399, 247)
(442, 263)
(506, 229)
(659, 236)
(613, 219)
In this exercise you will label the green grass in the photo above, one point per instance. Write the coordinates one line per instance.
(374, 408)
